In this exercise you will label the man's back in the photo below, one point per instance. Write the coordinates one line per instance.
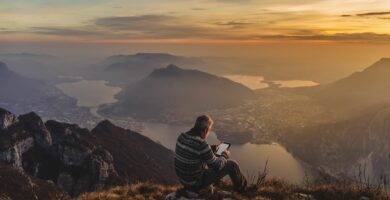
(192, 156)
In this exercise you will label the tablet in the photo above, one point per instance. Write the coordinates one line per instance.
(222, 148)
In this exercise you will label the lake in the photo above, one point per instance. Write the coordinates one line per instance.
(257, 82)
(252, 157)
(90, 93)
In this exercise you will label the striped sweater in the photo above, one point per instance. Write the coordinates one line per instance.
(193, 154)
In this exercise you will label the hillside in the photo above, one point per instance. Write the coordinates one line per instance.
(32, 65)
(124, 69)
(344, 146)
(15, 88)
(175, 90)
(78, 160)
(360, 90)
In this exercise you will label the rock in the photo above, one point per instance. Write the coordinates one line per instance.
(6, 119)
(72, 154)
(13, 155)
(65, 181)
(304, 196)
(78, 160)
(34, 124)
(55, 151)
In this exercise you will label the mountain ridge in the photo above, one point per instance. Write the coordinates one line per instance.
(175, 90)
(78, 160)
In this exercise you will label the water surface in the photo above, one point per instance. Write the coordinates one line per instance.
(295, 83)
(257, 82)
(90, 93)
(252, 82)
(252, 157)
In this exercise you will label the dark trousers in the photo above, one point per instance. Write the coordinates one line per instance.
(232, 169)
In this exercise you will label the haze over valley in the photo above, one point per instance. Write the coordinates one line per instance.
(94, 95)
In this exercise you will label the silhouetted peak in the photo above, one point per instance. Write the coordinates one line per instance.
(384, 60)
(172, 67)
(4, 112)
(142, 54)
(6, 118)
(382, 63)
(32, 121)
(105, 126)
(168, 71)
(105, 123)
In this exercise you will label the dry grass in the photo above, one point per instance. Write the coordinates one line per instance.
(265, 189)
(140, 191)
(269, 189)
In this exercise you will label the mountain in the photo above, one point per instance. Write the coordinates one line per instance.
(15, 185)
(360, 90)
(130, 68)
(16, 88)
(344, 146)
(32, 65)
(175, 90)
(78, 160)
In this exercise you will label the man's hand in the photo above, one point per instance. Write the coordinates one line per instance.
(226, 154)
(214, 148)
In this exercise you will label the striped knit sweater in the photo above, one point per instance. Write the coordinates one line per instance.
(193, 154)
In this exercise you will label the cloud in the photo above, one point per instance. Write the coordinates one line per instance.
(155, 26)
(132, 21)
(61, 31)
(368, 36)
(233, 24)
(198, 9)
(368, 14)
(372, 14)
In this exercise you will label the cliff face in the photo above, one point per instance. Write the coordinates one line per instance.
(15, 184)
(343, 146)
(65, 157)
(78, 160)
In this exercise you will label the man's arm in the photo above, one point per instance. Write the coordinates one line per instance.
(214, 162)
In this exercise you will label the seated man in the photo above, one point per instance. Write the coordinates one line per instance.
(196, 164)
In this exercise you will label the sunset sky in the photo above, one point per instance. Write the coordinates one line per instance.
(206, 21)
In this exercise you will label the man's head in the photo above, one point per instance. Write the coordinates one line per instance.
(203, 126)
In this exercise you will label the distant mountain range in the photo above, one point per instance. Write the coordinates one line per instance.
(17, 88)
(77, 160)
(33, 65)
(344, 146)
(360, 90)
(124, 69)
(175, 90)
(359, 135)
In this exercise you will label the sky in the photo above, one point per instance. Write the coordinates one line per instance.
(195, 21)
(320, 40)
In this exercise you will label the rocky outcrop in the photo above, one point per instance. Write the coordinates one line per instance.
(15, 184)
(132, 151)
(6, 119)
(55, 151)
(13, 154)
(78, 160)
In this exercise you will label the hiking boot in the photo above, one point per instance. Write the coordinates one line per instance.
(251, 188)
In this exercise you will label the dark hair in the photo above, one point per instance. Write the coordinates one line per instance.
(201, 123)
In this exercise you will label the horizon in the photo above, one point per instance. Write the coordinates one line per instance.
(97, 96)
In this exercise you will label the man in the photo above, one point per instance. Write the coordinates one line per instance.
(196, 164)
